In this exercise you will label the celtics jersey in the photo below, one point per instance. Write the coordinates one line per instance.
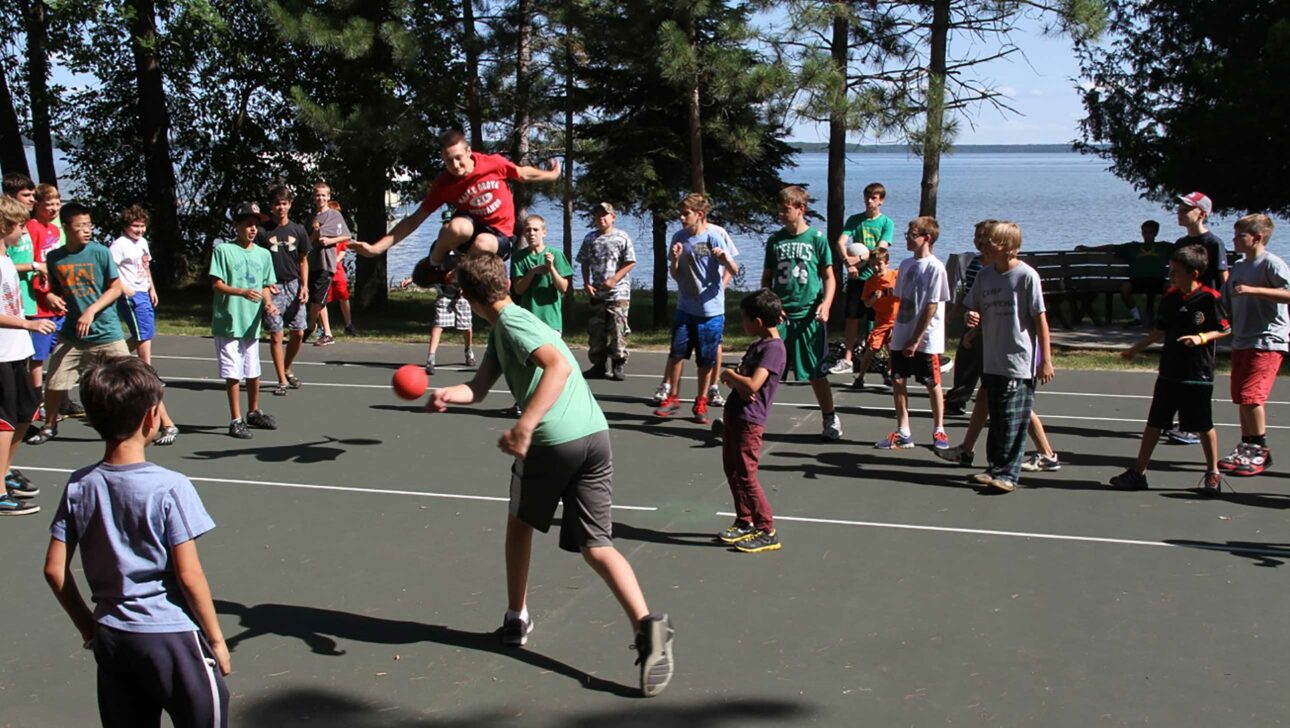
(796, 264)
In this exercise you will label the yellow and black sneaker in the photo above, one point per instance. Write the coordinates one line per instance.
(738, 531)
(759, 542)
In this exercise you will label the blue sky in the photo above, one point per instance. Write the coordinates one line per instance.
(1040, 86)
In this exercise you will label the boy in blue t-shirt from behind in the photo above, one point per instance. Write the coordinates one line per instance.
(753, 387)
(153, 630)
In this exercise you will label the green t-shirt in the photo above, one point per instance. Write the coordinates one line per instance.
(542, 298)
(516, 336)
(82, 276)
(869, 232)
(1146, 262)
(797, 264)
(235, 317)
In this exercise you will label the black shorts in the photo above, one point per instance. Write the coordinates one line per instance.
(141, 674)
(504, 242)
(853, 298)
(1193, 403)
(925, 368)
(1148, 285)
(580, 473)
(18, 399)
(319, 286)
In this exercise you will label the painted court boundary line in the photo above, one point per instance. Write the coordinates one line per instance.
(1024, 534)
(341, 488)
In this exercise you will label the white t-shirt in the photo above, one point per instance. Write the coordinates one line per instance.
(15, 344)
(132, 258)
(921, 281)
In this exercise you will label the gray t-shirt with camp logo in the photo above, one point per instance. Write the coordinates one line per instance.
(1257, 322)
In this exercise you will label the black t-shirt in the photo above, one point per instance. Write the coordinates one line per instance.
(1201, 312)
(288, 245)
(1217, 256)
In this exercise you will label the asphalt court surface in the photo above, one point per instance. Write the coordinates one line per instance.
(357, 567)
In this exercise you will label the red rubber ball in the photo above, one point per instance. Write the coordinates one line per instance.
(410, 381)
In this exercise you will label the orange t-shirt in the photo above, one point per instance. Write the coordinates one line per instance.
(887, 304)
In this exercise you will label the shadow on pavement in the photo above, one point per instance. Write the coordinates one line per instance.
(1270, 555)
(297, 452)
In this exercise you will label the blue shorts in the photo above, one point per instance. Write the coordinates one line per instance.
(137, 313)
(44, 343)
(698, 334)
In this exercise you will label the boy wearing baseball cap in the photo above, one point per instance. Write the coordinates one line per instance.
(1193, 210)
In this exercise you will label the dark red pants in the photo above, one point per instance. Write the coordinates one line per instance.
(740, 453)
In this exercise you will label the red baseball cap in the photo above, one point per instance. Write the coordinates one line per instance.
(1198, 199)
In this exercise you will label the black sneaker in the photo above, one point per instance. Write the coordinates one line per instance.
(515, 631)
(429, 367)
(759, 542)
(351, 331)
(718, 429)
(1130, 479)
(42, 435)
(71, 408)
(594, 372)
(654, 653)
(20, 486)
(616, 372)
(10, 506)
(237, 428)
(260, 420)
(737, 532)
(325, 340)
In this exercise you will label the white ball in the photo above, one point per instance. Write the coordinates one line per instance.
(858, 250)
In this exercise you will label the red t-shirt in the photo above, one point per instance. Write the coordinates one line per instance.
(482, 194)
(44, 238)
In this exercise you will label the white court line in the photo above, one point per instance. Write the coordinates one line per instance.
(1024, 534)
(344, 489)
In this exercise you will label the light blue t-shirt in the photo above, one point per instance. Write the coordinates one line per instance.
(126, 518)
(698, 278)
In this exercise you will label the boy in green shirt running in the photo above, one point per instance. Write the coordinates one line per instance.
(540, 275)
(799, 269)
(873, 230)
(561, 450)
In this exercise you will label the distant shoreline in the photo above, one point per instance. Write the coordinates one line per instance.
(956, 149)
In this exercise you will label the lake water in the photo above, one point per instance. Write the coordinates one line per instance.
(1060, 200)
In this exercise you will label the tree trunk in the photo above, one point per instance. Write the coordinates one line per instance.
(837, 204)
(38, 89)
(520, 134)
(695, 118)
(568, 165)
(371, 280)
(934, 136)
(169, 252)
(660, 221)
(13, 156)
(474, 107)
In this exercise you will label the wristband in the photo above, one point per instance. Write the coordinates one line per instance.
(1202, 337)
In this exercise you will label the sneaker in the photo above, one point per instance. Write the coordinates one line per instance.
(841, 366)
(954, 410)
(737, 532)
(1130, 479)
(1178, 437)
(71, 408)
(956, 455)
(660, 394)
(940, 440)
(616, 370)
(470, 358)
(10, 506)
(261, 421)
(858, 382)
(759, 542)
(1257, 459)
(238, 429)
(351, 331)
(895, 441)
(654, 653)
(983, 478)
(714, 396)
(325, 340)
(1037, 463)
(429, 367)
(832, 427)
(42, 436)
(166, 436)
(1236, 458)
(718, 429)
(19, 486)
(515, 631)
(293, 382)
(1003, 485)
(669, 406)
(700, 410)
(1211, 484)
(595, 371)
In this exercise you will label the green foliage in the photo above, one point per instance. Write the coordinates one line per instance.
(1185, 96)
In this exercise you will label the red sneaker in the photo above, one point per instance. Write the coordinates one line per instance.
(1257, 459)
(669, 406)
(700, 410)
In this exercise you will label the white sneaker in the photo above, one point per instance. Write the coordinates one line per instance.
(841, 366)
(661, 393)
(714, 396)
(1041, 463)
(832, 427)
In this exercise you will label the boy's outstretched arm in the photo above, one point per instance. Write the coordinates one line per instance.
(58, 574)
(469, 393)
(1046, 370)
(555, 373)
(401, 230)
(747, 387)
(533, 174)
(192, 581)
(1280, 295)
(1156, 335)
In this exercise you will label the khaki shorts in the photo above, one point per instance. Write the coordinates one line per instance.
(69, 360)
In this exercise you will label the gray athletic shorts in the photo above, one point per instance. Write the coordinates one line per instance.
(580, 473)
(452, 312)
(292, 314)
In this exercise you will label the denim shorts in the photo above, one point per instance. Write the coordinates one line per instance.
(698, 334)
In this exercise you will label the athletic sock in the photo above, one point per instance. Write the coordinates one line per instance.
(523, 614)
(1260, 440)
(904, 431)
(1135, 314)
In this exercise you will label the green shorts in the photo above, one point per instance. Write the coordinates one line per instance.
(807, 342)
